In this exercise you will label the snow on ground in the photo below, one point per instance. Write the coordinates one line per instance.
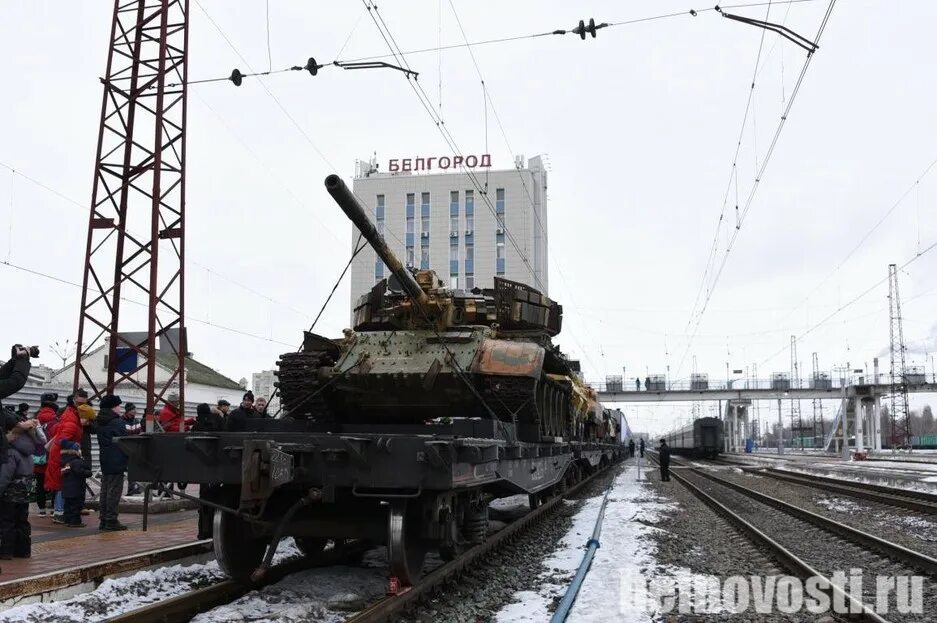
(840, 505)
(118, 595)
(625, 548)
(326, 595)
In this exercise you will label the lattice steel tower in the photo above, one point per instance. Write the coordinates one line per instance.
(817, 403)
(900, 413)
(136, 230)
(797, 424)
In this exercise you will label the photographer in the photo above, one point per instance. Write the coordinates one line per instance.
(13, 375)
(15, 371)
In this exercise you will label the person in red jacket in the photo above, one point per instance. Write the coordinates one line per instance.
(69, 428)
(46, 417)
(171, 419)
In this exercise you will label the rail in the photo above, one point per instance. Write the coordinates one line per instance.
(183, 607)
(914, 500)
(391, 605)
(781, 553)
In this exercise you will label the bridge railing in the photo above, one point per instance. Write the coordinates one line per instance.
(657, 383)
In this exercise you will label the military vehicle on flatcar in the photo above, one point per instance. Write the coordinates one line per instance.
(402, 430)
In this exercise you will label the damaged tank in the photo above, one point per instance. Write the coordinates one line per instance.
(401, 431)
(420, 351)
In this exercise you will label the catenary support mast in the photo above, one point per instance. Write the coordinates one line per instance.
(900, 413)
(136, 230)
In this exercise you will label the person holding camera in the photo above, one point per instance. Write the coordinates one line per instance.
(15, 371)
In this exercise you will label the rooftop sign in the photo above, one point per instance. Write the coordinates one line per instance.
(423, 163)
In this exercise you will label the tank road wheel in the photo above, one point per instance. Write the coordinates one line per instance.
(237, 550)
(405, 548)
(310, 545)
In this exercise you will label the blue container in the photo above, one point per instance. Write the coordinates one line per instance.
(749, 445)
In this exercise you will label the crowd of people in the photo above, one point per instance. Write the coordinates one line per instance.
(46, 456)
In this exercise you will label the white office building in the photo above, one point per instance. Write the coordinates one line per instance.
(443, 221)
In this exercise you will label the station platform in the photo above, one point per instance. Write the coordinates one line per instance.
(63, 556)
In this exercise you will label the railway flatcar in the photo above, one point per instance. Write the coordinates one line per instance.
(400, 431)
(703, 438)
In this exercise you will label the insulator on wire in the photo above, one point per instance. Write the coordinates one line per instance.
(236, 77)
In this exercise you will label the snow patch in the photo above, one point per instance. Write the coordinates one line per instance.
(115, 596)
(327, 594)
(625, 548)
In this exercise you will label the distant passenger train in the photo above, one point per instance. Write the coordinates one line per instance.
(701, 439)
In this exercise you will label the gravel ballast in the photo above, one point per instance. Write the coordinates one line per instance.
(823, 551)
(916, 531)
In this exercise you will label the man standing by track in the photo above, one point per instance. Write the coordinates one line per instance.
(664, 458)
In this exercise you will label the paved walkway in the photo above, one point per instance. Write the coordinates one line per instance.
(56, 547)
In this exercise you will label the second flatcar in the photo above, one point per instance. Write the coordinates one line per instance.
(702, 438)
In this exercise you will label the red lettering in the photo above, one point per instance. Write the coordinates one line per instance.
(486, 160)
(445, 162)
(419, 164)
(456, 161)
(393, 166)
(471, 161)
(429, 163)
(407, 164)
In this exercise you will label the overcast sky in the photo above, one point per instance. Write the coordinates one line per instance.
(640, 126)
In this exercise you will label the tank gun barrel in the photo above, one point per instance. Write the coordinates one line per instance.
(353, 209)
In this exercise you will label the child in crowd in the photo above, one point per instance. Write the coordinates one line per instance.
(74, 473)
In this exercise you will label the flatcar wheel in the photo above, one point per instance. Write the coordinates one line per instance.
(310, 545)
(405, 549)
(237, 550)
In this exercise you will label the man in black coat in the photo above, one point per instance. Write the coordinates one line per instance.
(631, 448)
(664, 458)
(641, 447)
(237, 419)
(110, 427)
(207, 420)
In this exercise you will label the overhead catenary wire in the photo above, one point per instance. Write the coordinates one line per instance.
(209, 270)
(852, 301)
(867, 236)
(63, 281)
(757, 182)
(538, 220)
(733, 176)
(548, 33)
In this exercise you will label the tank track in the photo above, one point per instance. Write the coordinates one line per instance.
(298, 382)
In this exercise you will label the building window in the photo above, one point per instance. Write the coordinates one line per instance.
(410, 228)
(469, 259)
(424, 213)
(379, 220)
(499, 233)
(469, 211)
(454, 213)
(454, 282)
(454, 257)
(424, 257)
(469, 281)
(379, 214)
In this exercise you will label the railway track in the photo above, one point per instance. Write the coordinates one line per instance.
(919, 501)
(807, 543)
(184, 607)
